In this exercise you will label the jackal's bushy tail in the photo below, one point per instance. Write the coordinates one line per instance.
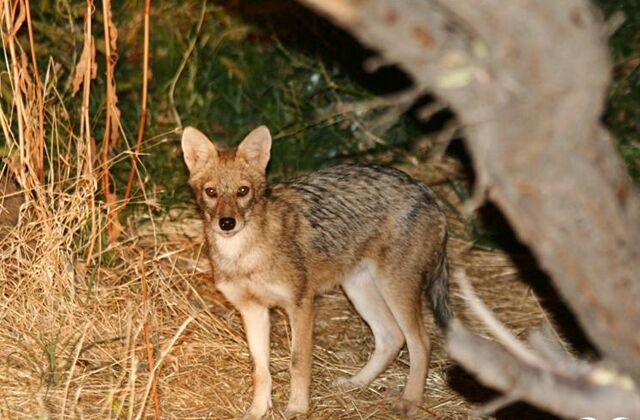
(438, 289)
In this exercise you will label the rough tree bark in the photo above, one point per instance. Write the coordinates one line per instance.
(528, 79)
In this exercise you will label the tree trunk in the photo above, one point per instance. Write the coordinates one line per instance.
(528, 80)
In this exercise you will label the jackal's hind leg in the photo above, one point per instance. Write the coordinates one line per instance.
(406, 307)
(362, 292)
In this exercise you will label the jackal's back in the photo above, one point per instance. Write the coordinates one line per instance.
(347, 204)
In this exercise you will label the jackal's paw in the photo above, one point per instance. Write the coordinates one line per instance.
(347, 383)
(252, 416)
(406, 408)
(255, 413)
(293, 411)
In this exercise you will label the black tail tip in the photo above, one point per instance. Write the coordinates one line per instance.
(443, 315)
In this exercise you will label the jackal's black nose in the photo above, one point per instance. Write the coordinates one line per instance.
(227, 223)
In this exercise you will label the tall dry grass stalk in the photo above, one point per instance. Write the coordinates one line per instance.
(143, 102)
(112, 123)
(71, 303)
(38, 152)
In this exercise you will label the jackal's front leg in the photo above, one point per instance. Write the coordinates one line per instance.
(301, 320)
(256, 326)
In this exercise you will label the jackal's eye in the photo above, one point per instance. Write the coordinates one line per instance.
(242, 191)
(211, 192)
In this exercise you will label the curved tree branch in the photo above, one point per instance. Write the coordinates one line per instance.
(528, 80)
(573, 396)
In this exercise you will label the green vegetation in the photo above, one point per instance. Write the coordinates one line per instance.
(232, 71)
(623, 113)
(226, 67)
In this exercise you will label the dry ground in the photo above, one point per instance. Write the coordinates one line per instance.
(71, 332)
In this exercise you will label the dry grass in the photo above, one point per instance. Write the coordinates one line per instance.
(72, 305)
(215, 368)
(71, 332)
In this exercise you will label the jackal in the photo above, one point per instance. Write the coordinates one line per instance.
(374, 230)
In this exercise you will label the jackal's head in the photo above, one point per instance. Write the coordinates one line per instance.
(227, 183)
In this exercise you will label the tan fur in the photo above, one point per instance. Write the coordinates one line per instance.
(374, 230)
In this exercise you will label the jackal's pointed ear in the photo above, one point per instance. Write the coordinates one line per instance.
(197, 148)
(256, 147)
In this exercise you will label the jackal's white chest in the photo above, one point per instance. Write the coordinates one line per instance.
(246, 272)
(258, 290)
(236, 254)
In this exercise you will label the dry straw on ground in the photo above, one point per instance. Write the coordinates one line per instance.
(72, 343)
(73, 308)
